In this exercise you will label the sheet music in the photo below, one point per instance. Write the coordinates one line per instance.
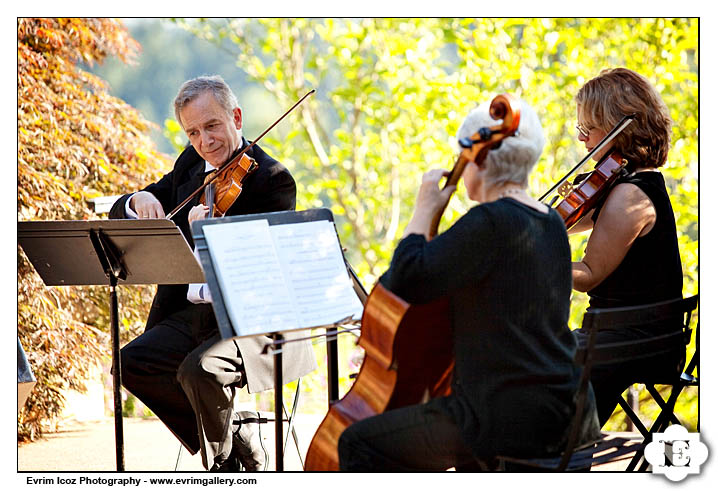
(250, 277)
(281, 277)
(315, 271)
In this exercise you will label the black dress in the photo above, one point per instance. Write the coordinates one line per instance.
(650, 272)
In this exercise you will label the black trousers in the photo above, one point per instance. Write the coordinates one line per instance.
(408, 439)
(187, 378)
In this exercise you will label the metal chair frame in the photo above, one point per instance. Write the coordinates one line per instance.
(611, 448)
(666, 416)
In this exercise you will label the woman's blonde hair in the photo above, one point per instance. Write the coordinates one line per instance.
(618, 92)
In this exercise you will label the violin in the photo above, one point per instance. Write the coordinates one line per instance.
(583, 193)
(224, 189)
(408, 350)
(581, 197)
(232, 173)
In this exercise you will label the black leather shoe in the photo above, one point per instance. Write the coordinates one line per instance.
(247, 445)
(232, 464)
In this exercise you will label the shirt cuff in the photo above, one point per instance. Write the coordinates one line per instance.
(129, 212)
(199, 293)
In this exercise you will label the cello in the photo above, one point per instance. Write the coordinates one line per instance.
(408, 351)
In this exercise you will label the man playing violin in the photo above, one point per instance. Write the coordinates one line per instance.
(632, 255)
(180, 367)
(505, 267)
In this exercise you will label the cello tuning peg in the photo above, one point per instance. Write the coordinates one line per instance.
(485, 133)
(466, 142)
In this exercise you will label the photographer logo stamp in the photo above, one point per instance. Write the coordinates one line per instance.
(676, 453)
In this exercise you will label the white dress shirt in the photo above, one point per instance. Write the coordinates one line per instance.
(197, 292)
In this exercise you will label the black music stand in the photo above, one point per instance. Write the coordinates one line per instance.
(114, 252)
(225, 326)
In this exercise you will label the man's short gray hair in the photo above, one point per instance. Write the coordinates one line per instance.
(514, 159)
(195, 87)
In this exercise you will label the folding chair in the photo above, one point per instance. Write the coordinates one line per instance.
(687, 378)
(611, 447)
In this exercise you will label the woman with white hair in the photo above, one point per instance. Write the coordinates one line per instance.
(506, 268)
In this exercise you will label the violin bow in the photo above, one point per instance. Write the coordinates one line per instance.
(620, 126)
(235, 157)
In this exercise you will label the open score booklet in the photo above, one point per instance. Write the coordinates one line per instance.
(281, 277)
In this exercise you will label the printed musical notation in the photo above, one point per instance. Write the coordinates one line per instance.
(281, 277)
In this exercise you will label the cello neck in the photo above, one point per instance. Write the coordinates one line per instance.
(451, 180)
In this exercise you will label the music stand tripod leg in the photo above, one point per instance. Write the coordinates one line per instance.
(116, 377)
(278, 402)
(332, 365)
(115, 270)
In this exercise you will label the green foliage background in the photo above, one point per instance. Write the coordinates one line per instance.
(391, 94)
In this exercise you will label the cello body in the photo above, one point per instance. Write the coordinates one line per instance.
(408, 359)
(409, 354)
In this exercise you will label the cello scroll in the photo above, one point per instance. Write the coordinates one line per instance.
(504, 107)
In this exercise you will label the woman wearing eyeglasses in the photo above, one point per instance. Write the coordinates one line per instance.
(632, 255)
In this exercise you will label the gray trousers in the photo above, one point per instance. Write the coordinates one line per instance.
(187, 378)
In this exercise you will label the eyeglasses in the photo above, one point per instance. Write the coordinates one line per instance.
(583, 131)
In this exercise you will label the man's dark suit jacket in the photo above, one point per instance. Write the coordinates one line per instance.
(269, 188)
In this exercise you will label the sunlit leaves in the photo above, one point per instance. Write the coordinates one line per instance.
(391, 94)
(75, 142)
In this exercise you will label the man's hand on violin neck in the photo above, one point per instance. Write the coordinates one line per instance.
(146, 205)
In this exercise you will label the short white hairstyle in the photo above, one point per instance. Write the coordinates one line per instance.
(514, 159)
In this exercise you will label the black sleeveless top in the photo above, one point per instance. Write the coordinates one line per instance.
(651, 271)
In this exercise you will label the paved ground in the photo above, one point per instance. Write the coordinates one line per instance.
(149, 446)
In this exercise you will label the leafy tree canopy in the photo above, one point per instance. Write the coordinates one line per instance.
(393, 92)
(75, 142)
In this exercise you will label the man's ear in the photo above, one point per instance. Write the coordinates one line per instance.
(237, 117)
